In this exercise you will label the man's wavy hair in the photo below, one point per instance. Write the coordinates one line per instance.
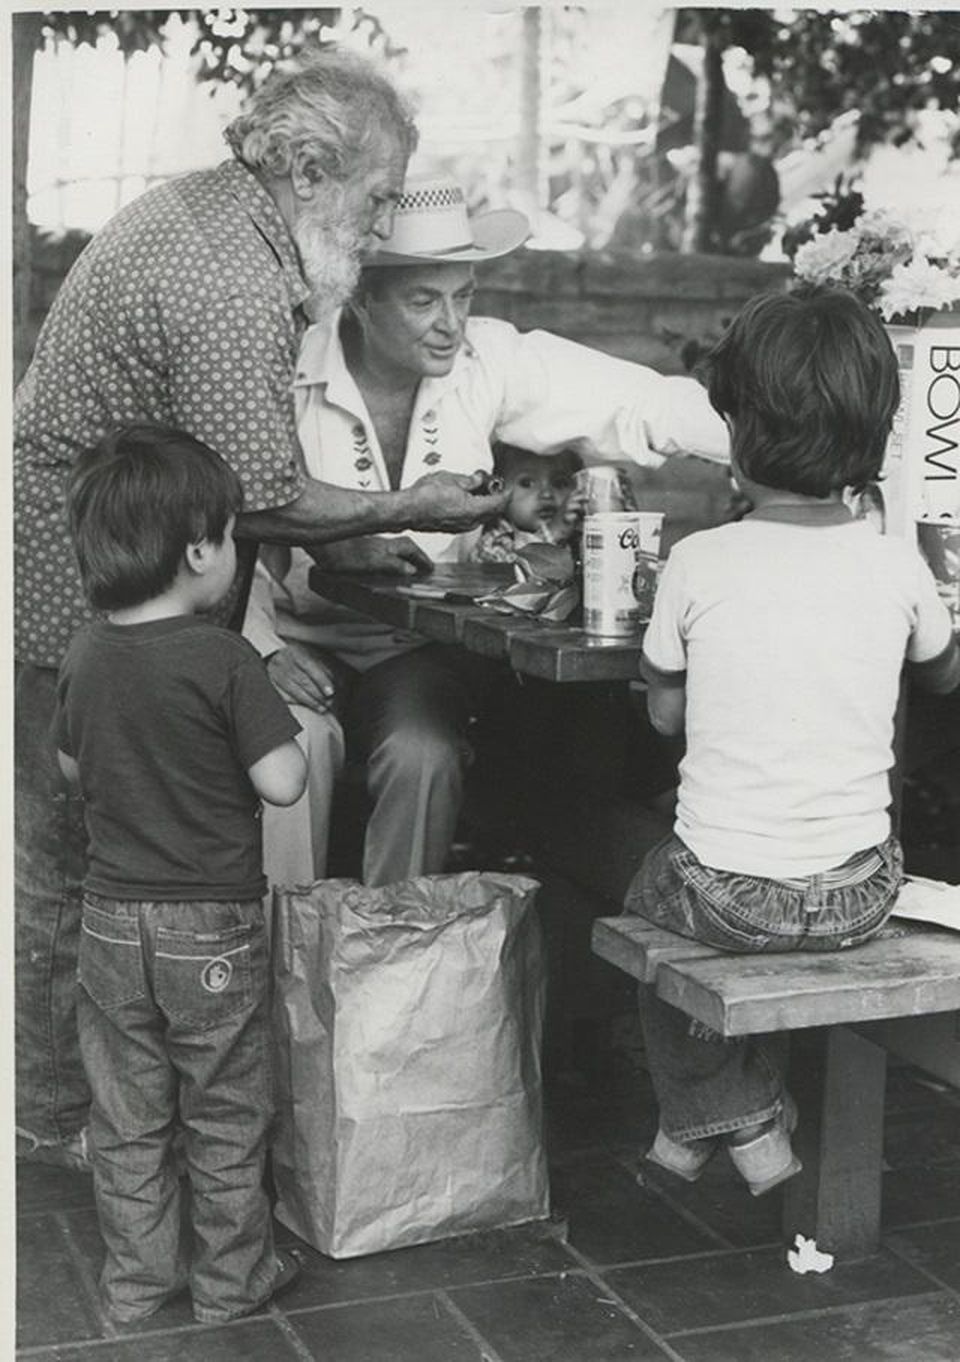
(136, 501)
(336, 106)
(809, 381)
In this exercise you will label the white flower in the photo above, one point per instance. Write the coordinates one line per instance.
(917, 283)
(891, 266)
(882, 224)
(823, 258)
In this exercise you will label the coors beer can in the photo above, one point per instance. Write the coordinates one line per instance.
(610, 543)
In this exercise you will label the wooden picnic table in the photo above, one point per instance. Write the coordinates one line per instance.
(443, 607)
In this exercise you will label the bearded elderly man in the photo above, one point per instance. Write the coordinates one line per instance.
(187, 310)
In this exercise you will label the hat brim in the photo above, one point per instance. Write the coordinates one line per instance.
(494, 234)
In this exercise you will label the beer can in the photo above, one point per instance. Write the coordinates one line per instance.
(610, 543)
(602, 486)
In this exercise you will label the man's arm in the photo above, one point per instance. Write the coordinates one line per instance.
(323, 512)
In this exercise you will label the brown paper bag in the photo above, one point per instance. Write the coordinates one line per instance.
(408, 1022)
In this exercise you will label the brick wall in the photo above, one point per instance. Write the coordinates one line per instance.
(642, 309)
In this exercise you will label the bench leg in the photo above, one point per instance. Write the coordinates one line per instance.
(838, 1079)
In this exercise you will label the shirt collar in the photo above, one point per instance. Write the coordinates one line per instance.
(809, 513)
(243, 184)
(321, 360)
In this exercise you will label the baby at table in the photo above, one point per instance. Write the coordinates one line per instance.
(776, 646)
(545, 505)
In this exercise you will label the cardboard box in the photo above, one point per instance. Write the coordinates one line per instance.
(922, 466)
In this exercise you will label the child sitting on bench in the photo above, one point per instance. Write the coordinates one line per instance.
(776, 646)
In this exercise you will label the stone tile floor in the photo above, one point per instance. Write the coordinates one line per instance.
(625, 1271)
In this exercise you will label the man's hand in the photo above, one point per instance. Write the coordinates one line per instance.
(395, 557)
(301, 678)
(452, 502)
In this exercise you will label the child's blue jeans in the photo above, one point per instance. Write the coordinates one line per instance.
(708, 1084)
(172, 1013)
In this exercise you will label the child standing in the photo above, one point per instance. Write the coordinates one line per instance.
(173, 732)
(544, 507)
(776, 645)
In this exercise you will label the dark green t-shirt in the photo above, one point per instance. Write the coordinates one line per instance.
(163, 720)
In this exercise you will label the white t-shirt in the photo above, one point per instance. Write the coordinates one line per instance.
(531, 389)
(789, 638)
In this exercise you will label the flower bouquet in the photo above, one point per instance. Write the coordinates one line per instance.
(900, 270)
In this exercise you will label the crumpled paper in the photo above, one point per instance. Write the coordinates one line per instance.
(545, 586)
(806, 1257)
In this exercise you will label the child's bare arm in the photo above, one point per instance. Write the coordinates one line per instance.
(281, 776)
(667, 707)
(941, 674)
(68, 767)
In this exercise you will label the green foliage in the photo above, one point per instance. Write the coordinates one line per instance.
(237, 45)
(839, 208)
(245, 48)
(888, 64)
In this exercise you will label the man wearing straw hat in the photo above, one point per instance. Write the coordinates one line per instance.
(186, 310)
(407, 383)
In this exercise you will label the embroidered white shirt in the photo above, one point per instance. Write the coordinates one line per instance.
(531, 389)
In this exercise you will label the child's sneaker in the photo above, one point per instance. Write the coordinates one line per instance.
(289, 1267)
(687, 1160)
(287, 1263)
(767, 1159)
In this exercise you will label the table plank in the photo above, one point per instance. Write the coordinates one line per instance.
(445, 621)
(639, 947)
(564, 654)
(490, 634)
(371, 595)
(552, 652)
(895, 976)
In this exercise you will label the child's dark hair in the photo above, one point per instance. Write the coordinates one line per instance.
(136, 501)
(809, 380)
(504, 455)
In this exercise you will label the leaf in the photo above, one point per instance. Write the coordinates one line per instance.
(548, 562)
(561, 605)
(527, 597)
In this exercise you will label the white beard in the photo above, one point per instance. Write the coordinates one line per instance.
(330, 255)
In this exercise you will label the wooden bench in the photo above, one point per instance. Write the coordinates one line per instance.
(843, 1011)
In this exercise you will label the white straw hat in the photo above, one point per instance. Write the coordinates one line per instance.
(430, 223)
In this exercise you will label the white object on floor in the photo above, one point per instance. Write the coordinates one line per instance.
(806, 1257)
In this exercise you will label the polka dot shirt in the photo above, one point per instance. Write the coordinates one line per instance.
(185, 310)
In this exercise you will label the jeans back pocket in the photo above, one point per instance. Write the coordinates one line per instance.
(110, 957)
(202, 979)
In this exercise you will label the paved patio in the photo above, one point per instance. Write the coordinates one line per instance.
(626, 1271)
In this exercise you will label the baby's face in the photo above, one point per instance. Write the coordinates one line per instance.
(539, 490)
